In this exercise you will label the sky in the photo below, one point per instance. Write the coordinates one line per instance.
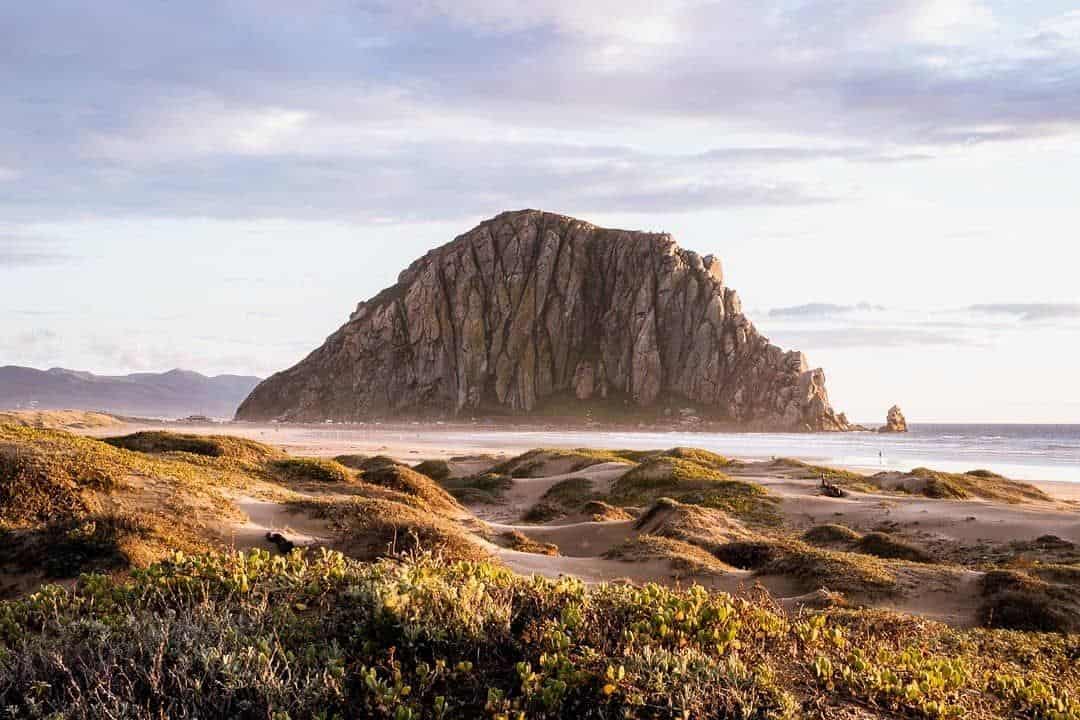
(892, 186)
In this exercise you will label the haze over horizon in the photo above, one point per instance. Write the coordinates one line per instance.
(891, 186)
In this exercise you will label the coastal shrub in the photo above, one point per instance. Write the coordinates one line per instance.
(437, 470)
(213, 446)
(887, 546)
(981, 484)
(830, 534)
(1018, 601)
(409, 482)
(485, 489)
(258, 635)
(552, 461)
(517, 540)
(543, 512)
(689, 482)
(600, 511)
(301, 469)
(365, 462)
(373, 527)
(563, 498)
(686, 559)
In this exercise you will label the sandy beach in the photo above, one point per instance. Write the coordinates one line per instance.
(411, 442)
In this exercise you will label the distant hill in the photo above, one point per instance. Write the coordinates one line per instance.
(176, 393)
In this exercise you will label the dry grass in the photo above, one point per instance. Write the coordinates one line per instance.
(315, 470)
(600, 511)
(1018, 601)
(691, 483)
(704, 527)
(831, 534)
(409, 482)
(519, 541)
(884, 545)
(59, 419)
(566, 497)
(981, 484)
(542, 462)
(214, 446)
(374, 527)
(686, 559)
(485, 489)
(365, 462)
(437, 470)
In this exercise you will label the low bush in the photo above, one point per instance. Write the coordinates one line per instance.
(301, 469)
(437, 470)
(255, 635)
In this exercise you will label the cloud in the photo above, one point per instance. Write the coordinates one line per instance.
(391, 109)
(417, 181)
(20, 250)
(828, 325)
(864, 337)
(822, 310)
(1031, 312)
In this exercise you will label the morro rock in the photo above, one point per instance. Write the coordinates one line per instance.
(895, 422)
(541, 314)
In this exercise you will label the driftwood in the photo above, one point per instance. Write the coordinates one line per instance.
(284, 545)
(828, 489)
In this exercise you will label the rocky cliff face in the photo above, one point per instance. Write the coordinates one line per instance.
(533, 312)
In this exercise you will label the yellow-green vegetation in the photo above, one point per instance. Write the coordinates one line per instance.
(438, 470)
(691, 482)
(685, 559)
(555, 461)
(59, 419)
(216, 446)
(303, 469)
(879, 544)
(394, 524)
(409, 482)
(485, 489)
(70, 503)
(831, 534)
(729, 541)
(705, 527)
(977, 483)
(563, 498)
(600, 511)
(923, 481)
(884, 545)
(255, 635)
(813, 568)
(365, 462)
(517, 540)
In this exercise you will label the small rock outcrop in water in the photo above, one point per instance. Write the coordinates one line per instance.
(532, 312)
(894, 421)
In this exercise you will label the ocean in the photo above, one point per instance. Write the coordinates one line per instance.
(1023, 452)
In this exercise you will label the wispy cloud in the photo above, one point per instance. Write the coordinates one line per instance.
(863, 324)
(19, 250)
(1031, 312)
(389, 109)
(822, 310)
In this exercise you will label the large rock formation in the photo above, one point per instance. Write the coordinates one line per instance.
(895, 422)
(533, 312)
